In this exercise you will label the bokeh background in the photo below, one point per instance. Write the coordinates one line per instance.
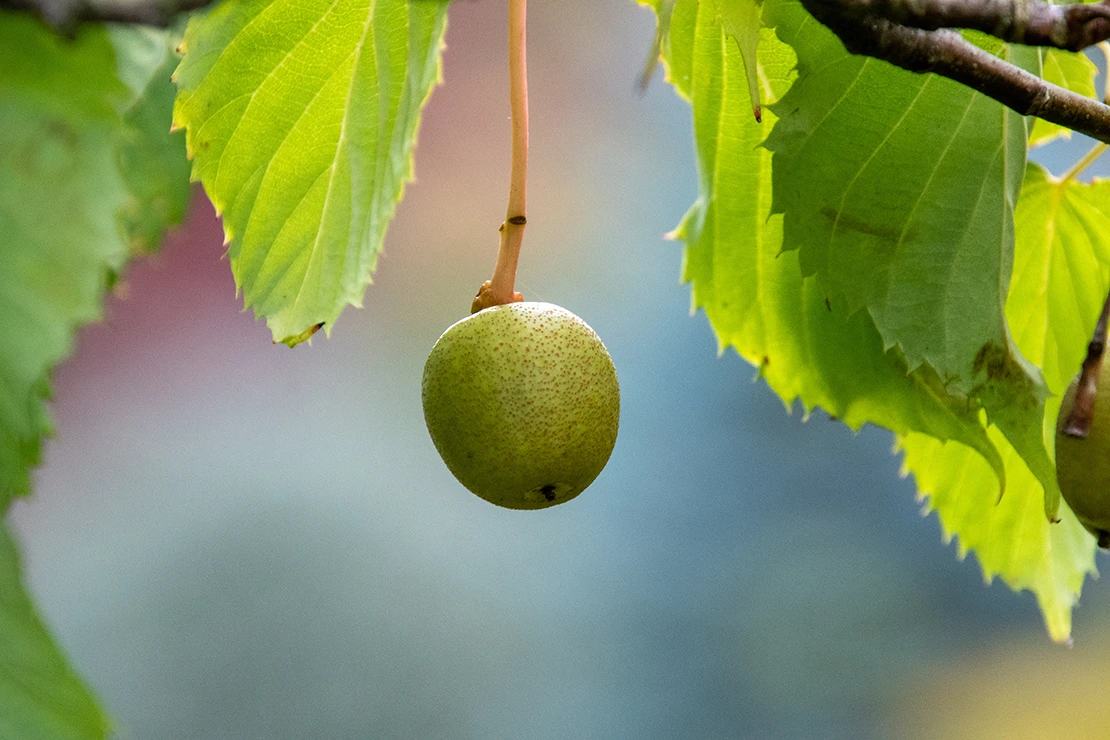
(235, 541)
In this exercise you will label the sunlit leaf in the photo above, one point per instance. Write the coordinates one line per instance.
(1060, 280)
(756, 298)
(808, 343)
(741, 22)
(301, 118)
(1060, 276)
(912, 219)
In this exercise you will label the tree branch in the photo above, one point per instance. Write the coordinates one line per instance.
(948, 54)
(64, 16)
(1034, 23)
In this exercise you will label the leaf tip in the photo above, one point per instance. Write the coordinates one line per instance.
(1059, 627)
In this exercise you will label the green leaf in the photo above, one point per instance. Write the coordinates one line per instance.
(68, 110)
(60, 192)
(758, 301)
(1072, 71)
(141, 54)
(1060, 276)
(755, 296)
(152, 160)
(72, 114)
(1060, 279)
(740, 21)
(41, 698)
(662, 10)
(912, 220)
(1010, 536)
(301, 117)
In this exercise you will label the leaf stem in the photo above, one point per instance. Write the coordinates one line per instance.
(499, 289)
(1087, 160)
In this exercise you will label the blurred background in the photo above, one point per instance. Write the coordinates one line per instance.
(234, 541)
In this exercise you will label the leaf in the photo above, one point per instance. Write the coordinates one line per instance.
(912, 219)
(141, 54)
(41, 698)
(59, 196)
(1072, 71)
(301, 118)
(663, 10)
(1010, 537)
(1060, 279)
(72, 113)
(65, 110)
(755, 296)
(740, 20)
(152, 159)
(909, 220)
(759, 303)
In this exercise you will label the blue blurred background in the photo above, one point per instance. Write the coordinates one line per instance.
(236, 541)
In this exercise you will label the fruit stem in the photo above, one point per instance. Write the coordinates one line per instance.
(499, 289)
(1079, 420)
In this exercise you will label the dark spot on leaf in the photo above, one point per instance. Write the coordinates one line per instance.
(62, 131)
(49, 153)
(1006, 380)
(845, 222)
(997, 363)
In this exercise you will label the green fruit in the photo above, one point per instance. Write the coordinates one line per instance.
(1083, 463)
(522, 404)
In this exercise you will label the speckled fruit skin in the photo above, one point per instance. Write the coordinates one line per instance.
(522, 403)
(1083, 464)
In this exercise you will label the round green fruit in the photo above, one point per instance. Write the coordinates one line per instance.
(1083, 463)
(522, 403)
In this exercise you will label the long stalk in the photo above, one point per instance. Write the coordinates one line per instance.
(500, 288)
